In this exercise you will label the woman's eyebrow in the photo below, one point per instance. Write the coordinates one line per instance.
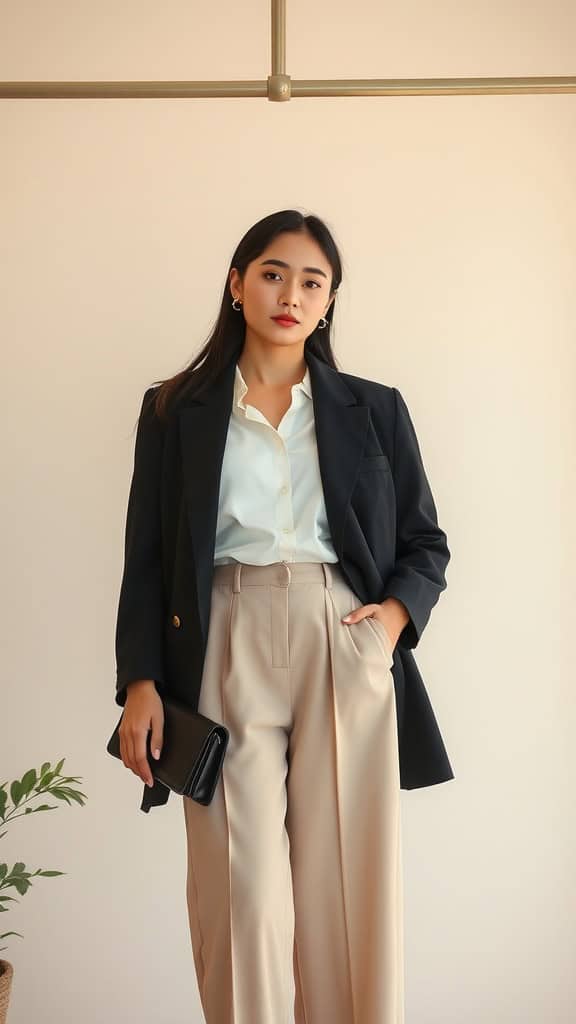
(307, 270)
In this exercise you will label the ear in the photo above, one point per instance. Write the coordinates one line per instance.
(234, 282)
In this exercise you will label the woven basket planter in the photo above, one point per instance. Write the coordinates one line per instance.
(6, 974)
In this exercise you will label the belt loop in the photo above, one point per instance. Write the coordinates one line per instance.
(327, 575)
(237, 571)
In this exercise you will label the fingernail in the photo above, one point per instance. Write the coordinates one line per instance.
(346, 618)
(156, 754)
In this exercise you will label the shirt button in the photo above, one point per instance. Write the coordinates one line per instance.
(286, 529)
(176, 621)
(283, 490)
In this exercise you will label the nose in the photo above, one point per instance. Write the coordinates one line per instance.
(288, 295)
(289, 299)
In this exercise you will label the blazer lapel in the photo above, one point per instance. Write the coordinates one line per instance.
(341, 429)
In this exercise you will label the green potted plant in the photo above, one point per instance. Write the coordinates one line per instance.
(21, 791)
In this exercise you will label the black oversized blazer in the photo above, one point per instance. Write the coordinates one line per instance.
(382, 519)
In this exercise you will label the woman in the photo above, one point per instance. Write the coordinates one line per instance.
(282, 558)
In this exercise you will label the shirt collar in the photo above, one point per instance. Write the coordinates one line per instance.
(241, 387)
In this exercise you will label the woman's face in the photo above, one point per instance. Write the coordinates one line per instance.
(292, 276)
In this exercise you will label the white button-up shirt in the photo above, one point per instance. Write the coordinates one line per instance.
(271, 503)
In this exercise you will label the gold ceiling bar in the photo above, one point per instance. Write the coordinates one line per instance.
(279, 87)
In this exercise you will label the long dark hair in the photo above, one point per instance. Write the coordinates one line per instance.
(228, 334)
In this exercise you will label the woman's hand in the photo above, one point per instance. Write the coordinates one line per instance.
(391, 613)
(143, 711)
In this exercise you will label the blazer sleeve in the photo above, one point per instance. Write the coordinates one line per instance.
(422, 553)
(140, 616)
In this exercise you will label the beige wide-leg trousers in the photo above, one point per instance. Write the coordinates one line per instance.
(294, 868)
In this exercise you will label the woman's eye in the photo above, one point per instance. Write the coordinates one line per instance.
(275, 274)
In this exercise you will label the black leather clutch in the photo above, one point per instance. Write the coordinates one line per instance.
(193, 749)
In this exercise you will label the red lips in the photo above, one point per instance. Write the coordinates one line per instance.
(288, 319)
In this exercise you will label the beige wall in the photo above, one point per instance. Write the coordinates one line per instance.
(457, 222)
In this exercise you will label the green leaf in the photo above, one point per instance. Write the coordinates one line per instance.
(45, 780)
(29, 780)
(60, 794)
(16, 792)
(72, 793)
(22, 885)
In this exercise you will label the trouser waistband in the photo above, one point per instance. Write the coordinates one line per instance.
(276, 574)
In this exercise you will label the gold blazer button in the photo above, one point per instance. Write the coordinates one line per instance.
(175, 620)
